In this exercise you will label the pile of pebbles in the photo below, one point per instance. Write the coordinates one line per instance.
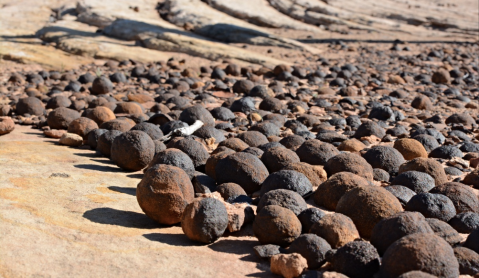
(341, 167)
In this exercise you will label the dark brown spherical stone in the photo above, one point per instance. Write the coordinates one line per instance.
(387, 158)
(235, 144)
(283, 198)
(356, 259)
(276, 225)
(267, 128)
(101, 85)
(207, 132)
(132, 150)
(463, 118)
(243, 86)
(100, 114)
(428, 166)
(432, 206)
(316, 152)
(329, 192)
(272, 104)
(29, 105)
(117, 124)
(242, 168)
(308, 217)
(212, 161)
(472, 179)
(106, 140)
(465, 222)
(349, 162)
(292, 142)
(197, 112)
(164, 192)
(176, 158)
(462, 196)
(312, 248)
(314, 173)
(380, 175)
(253, 138)
(369, 128)
(416, 274)
(418, 182)
(82, 126)
(7, 125)
(277, 158)
(254, 151)
(422, 102)
(337, 229)
(194, 149)
(58, 101)
(61, 117)
(94, 136)
(130, 108)
(402, 193)
(444, 230)
(424, 252)
(472, 241)
(287, 179)
(159, 146)
(152, 130)
(366, 206)
(230, 191)
(205, 220)
(468, 260)
(390, 229)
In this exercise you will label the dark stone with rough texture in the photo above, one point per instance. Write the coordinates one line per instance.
(276, 225)
(425, 252)
(356, 259)
(61, 118)
(418, 182)
(287, 179)
(277, 158)
(390, 229)
(462, 196)
(152, 130)
(283, 198)
(197, 112)
(94, 136)
(204, 220)
(244, 169)
(106, 140)
(316, 152)
(176, 158)
(465, 222)
(387, 158)
(369, 128)
(472, 241)
(267, 251)
(310, 216)
(132, 150)
(312, 248)
(402, 193)
(366, 206)
(432, 206)
(349, 162)
(329, 192)
(194, 149)
(230, 191)
(444, 230)
(468, 260)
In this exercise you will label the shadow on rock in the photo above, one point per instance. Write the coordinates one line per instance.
(128, 219)
(98, 168)
(172, 239)
(135, 176)
(125, 190)
(238, 247)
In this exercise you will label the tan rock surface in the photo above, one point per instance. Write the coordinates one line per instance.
(65, 212)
